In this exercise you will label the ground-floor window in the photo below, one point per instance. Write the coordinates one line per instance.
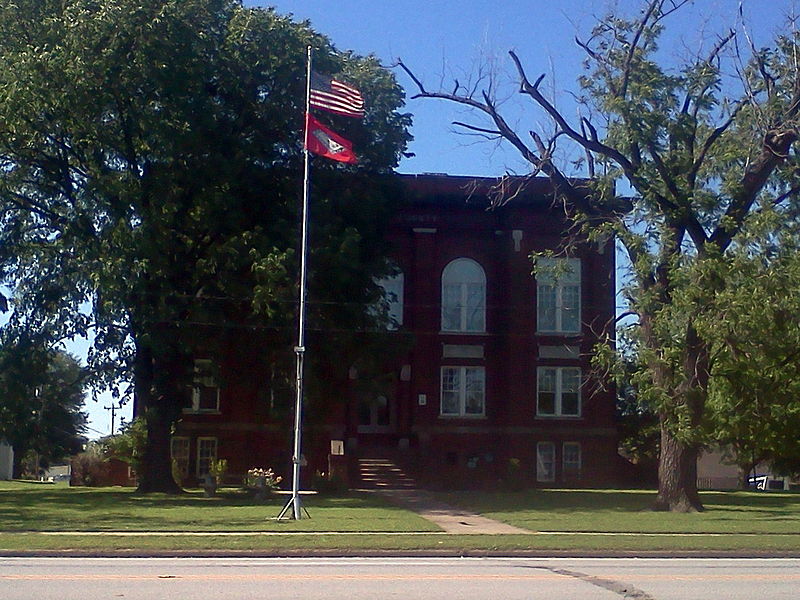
(463, 391)
(179, 449)
(558, 392)
(545, 461)
(571, 460)
(206, 453)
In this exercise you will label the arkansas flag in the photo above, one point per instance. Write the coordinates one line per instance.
(324, 142)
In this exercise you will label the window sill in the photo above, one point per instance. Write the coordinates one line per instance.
(190, 411)
(559, 417)
(468, 417)
(559, 333)
(475, 333)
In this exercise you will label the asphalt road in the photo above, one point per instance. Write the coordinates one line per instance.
(407, 578)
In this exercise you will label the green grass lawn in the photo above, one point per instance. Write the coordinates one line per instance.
(33, 516)
(629, 511)
(458, 545)
(37, 507)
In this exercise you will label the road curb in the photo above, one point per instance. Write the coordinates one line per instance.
(463, 553)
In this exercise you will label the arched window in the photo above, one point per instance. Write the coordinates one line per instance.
(463, 296)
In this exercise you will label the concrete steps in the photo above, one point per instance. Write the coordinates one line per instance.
(378, 473)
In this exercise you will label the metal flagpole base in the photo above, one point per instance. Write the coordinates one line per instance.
(290, 504)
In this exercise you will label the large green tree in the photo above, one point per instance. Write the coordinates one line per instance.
(151, 167)
(41, 400)
(755, 348)
(702, 148)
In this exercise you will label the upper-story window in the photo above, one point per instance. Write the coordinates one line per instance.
(464, 297)
(205, 388)
(558, 292)
(393, 298)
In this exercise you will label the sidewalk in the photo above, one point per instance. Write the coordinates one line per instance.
(450, 519)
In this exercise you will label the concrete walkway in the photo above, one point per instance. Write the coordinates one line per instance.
(450, 519)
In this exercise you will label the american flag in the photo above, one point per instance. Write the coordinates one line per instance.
(335, 96)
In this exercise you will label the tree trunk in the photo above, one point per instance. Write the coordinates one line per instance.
(156, 464)
(677, 475)
(155, 468)
(16, 468)
(677, 461)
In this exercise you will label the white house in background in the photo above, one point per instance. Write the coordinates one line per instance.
(716, 472)
(6, 460)
(58, 473)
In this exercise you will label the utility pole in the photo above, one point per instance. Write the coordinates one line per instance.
(113, 410)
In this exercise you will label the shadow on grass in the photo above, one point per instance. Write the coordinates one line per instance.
(26, 507)
(630, 511)
(564, 501)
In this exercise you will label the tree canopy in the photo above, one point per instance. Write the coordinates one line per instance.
(755, 386)
(151, 170)
(41, 397)
(705, 151)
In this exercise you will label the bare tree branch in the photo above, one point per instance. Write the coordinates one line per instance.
(490, 132)
(590, 165)
(532, 90)
(786, 195)
(540, 163)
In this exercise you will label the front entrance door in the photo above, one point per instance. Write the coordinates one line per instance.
(375, 415)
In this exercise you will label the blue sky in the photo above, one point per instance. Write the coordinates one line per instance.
(444, 39)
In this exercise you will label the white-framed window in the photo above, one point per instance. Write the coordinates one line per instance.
(205, 389)
(545, 461)
(393, 288)
(206, 453)
(179, 450)
(571, 460)
(558, 295)
(558, 392)
(463, 392)
(464, 297)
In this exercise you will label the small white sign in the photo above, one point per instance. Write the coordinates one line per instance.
(422, 399)
(337, 447)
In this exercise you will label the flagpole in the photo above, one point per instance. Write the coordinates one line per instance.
(300, 349)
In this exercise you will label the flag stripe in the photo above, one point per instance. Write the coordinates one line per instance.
(327, 100)
(334, 104)
(335, 96)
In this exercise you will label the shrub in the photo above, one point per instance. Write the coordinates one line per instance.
(256, 474)
(218, 469)
(328, 485)
(177, 473)
(513, 480)
(89, 468)
(128, 446)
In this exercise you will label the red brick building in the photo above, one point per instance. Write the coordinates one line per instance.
(497, 373)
